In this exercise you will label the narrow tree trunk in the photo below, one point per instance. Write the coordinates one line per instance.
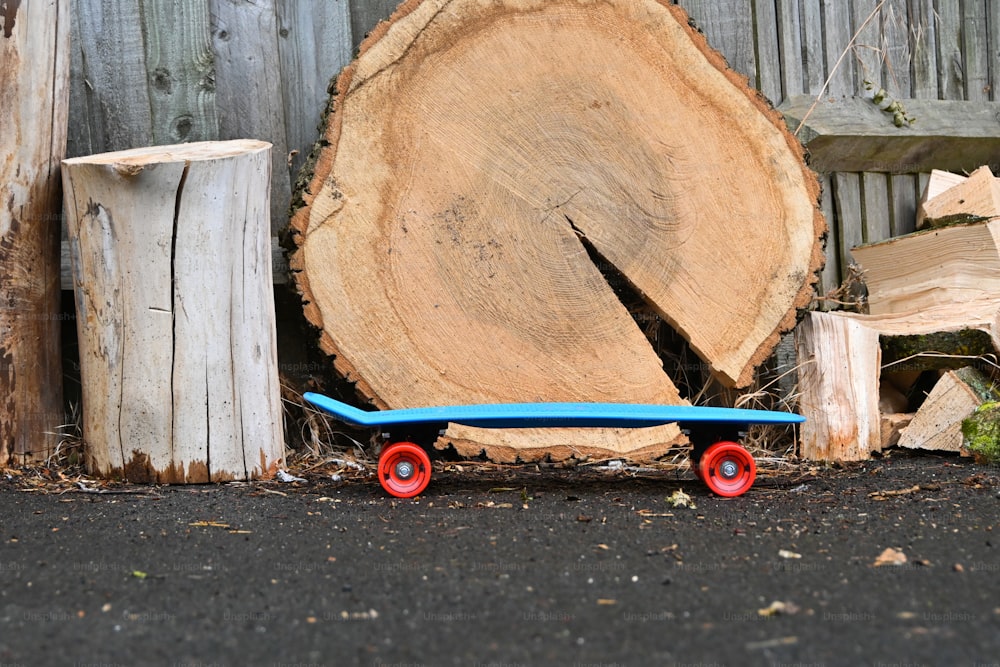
(172, 273)
(34, 85)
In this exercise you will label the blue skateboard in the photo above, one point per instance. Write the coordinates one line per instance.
(404, 468)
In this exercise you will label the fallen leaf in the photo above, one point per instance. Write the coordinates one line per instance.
(285, 477)
(680, 499)
(890, 557)
(777, 607)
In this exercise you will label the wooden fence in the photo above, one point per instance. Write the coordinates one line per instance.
(164, 71)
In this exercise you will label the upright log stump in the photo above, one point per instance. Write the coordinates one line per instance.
(175, 311)
(34, 100)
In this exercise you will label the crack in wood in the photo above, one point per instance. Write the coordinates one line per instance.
(175, 301)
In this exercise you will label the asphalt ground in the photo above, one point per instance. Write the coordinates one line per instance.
(510, 567)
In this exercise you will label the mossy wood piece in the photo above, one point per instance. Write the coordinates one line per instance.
(981, 433)
(976, 199)
(939, 350)
(938, 181)
(477, 151)
(937, 425)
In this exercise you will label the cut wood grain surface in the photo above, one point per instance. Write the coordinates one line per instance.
(932, 267)
(937, 425)
(974, 199)
(411, 270)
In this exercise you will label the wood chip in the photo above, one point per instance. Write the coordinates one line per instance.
(890, 557)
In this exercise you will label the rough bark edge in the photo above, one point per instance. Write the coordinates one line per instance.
(468, 444)
(806, 293)
(321, 161)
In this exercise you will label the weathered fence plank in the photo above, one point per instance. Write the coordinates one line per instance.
(248, 87)
(314, 45)
(922, 29)
(767, 52)
(993, 24)
(894, 43)
(180, 66)
(366, 14)
(899, 76)
(975, 51)
(814, 68)
(728, 26)
(109, 91)
(852, 133)
(868, 57)
(789, 48)
(840, 58)
(951, 80)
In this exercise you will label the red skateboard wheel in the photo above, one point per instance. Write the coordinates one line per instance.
(727, 469)
(404, 469)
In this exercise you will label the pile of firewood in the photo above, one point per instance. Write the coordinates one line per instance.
(922, 358)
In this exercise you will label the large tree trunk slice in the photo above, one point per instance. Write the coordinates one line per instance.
(473, 154)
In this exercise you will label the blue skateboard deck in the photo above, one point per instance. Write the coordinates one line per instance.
(404, 468)
(536, 415)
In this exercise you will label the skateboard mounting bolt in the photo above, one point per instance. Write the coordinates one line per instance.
(729, 469)
(404, 470)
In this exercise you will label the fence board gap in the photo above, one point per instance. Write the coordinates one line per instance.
(766, 50)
